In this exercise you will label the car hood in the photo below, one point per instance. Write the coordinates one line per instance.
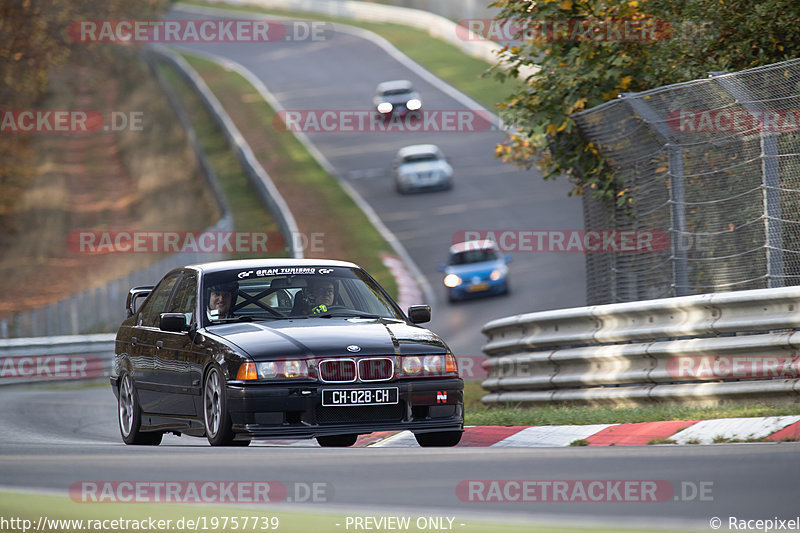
(395, 99)
(474, 269)
(328, 337)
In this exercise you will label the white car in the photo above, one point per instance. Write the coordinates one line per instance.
(422, 166)
(397, 96)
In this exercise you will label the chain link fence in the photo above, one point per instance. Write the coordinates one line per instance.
(713, 163)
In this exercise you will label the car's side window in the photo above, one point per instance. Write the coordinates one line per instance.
(151, 312)
(185, 297)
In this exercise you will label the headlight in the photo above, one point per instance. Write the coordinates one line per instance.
(413, 104)
(411, 366)
(499, 273)
(451, 280)
(427, 366)
(288, 369)
(384, 107)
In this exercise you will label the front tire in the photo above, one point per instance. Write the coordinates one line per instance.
(130, 415)
(215, 411)
(439, 439)
(337, 441)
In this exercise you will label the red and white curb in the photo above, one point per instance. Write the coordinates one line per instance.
(773, 428)
(408, 291)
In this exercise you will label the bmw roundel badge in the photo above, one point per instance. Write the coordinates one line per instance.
(353, 348)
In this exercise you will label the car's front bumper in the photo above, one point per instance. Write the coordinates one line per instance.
(280, 411)
(483, 288)
(399, 110)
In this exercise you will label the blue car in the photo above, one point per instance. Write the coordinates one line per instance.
(475, 268)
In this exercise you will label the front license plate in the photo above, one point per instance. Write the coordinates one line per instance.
(351, 397)
(479, 287)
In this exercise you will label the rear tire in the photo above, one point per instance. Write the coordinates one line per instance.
(337, 441)
(439, 439)
(130, 415)
(215, 411)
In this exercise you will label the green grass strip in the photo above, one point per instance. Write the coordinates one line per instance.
(478, 414)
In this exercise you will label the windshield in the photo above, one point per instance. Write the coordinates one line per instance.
(395, 92)
(419, 158)
(273, 293)
(473, 256)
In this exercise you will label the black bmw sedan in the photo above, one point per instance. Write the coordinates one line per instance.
(281, 348)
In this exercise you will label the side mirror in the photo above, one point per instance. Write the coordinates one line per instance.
(175, 322)
(419, 314)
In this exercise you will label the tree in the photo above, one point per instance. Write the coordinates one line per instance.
(585, 59)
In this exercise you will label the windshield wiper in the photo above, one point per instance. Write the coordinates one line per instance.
(354, 314)
(243, 318)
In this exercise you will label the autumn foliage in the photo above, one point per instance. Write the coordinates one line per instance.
(687, 40)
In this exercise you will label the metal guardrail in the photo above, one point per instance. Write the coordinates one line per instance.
(740, 346)
(59, 358)
(100, 308)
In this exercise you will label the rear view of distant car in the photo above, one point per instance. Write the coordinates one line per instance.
(422, 166)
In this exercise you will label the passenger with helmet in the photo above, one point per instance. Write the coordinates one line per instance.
(220, 299)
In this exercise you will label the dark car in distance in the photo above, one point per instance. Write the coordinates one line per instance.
(281, 348)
